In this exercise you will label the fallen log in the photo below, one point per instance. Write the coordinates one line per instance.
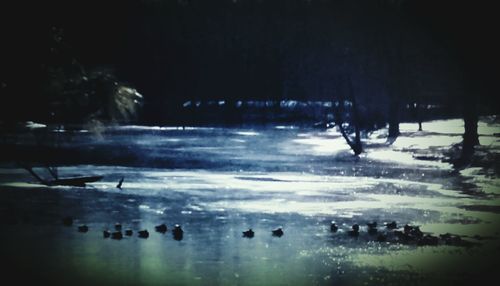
(74, 181)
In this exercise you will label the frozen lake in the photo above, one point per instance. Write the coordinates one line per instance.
(217, 182)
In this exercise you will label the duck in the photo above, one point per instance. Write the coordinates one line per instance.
(118, 226)
(413, 231)
(161, 228)
(416, 232)
(398, 233)
(119, 186)
(333, 227)
(83, 228)
(143, 233)
(372, 228)
(450, 239)
(428, 240)
(117, 235)
(67, 221)
(248, 233)
(372, 231)
(106, 233)
(355, 227)
(177, 232)
(354, 231)
(128, 232)
(277, 232)
(391, 225)
(382, 238)
(402, 236)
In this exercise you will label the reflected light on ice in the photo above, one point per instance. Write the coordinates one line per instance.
(453, 126)
(324, 145)
(300, 193)
(425, 142)
(400, 157)
(246, 133)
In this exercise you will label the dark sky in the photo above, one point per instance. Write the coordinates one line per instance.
(176, 50)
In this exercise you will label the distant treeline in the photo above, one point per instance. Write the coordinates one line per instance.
(309, 113)
(61, 60)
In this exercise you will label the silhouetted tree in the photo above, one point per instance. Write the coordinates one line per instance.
(339, 112)
(78, 95)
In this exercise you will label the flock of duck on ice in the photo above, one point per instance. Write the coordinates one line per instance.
(407, 234)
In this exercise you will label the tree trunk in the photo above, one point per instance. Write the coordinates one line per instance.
(394, 118)
(418, 115)
(470, 137)
(356, 146)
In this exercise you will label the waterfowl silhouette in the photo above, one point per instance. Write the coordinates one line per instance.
(416, 232)
(402, 236)
(143, 233)
(372, 228)
(450, 239)
(118, 226)
(67, 221)
(398, 233)
(248, 233)
(128, 232)
(355, 227)
(117, 235)
(372, 231)
(382, 237)
(354, 231)
(161, 228)
(106, 233)
(177, 232)
(333, 227)
(391, 225)
(277, 232)
(428, 240)
(83, 228)
(413, 231)
(119, 186)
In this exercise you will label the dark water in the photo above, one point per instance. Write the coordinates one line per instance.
(218, 182)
